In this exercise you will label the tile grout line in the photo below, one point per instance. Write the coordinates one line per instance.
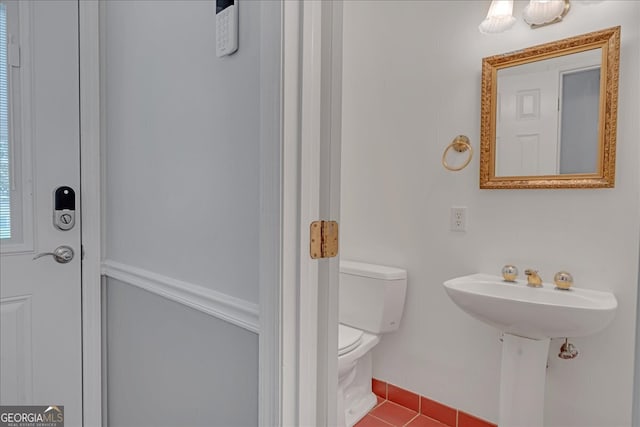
(456, 422)
(380, 419)
(418, 414)
(409, 422)
(399, 405)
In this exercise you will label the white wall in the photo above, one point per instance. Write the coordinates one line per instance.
(182, 142)
(636, 399)
(411, 84)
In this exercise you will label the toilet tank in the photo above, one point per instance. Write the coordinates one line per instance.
(371, 296)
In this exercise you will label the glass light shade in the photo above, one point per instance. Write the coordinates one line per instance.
(539, 12)
(500, 17)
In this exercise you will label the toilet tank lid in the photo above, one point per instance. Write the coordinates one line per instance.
(372, 270)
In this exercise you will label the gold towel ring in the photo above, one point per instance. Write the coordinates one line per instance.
(460, 144)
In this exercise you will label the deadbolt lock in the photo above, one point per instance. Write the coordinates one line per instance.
(64, 208)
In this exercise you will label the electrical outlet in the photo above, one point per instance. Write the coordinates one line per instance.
(458, 218)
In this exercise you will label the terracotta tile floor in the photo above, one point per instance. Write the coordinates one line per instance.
(387, 413)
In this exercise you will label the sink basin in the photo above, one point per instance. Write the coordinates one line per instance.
(529, 318)
(537, 313)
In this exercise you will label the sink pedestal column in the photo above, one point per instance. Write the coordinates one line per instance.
(522, 379)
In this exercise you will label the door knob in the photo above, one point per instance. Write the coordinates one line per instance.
(62, 254)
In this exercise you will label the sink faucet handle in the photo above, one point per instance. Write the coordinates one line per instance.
(533, 279)
(563, 280)
(510, 273)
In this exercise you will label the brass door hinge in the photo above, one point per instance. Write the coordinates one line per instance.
(323, 239)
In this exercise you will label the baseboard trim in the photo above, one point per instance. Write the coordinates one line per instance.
(236, 311)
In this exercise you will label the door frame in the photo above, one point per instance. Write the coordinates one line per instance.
(91, 211)
(310, 190)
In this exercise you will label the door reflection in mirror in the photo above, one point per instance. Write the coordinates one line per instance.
(547, 116)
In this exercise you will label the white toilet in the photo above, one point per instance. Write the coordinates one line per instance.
(371, 303)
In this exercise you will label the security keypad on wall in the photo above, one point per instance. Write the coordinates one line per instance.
(226, 27)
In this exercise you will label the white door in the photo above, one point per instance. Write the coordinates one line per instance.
(527, 124)
(40, 300)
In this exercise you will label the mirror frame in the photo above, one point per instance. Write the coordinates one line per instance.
(609, 41)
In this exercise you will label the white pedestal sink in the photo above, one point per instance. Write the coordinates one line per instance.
(529, 318)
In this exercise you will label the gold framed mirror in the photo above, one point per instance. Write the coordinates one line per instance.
(549, 114)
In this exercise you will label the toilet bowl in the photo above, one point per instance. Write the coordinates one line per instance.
(355, 373)
(371, 303)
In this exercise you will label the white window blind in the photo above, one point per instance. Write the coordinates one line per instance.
(5, 181)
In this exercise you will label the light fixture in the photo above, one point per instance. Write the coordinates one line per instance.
(500, 17)
(537, 13)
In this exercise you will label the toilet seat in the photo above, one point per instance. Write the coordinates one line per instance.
(348, 339)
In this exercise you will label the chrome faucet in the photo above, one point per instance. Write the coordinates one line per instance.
(533, 279)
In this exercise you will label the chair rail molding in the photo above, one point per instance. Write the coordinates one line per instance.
(236, 311)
